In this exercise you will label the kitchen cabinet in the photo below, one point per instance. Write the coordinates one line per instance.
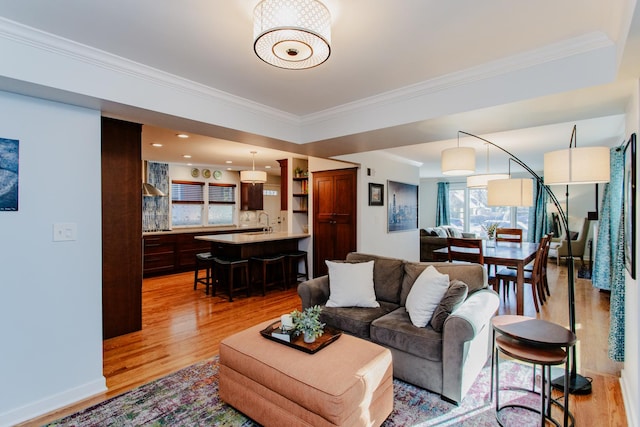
(251, 197)
(334, 216)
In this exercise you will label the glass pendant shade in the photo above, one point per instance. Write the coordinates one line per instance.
(481, 181)
(585, 165)
(510, 192)
(458, 161)
(292, 34)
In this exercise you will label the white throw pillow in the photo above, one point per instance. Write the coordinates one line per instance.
(425, 295)
(351, 284)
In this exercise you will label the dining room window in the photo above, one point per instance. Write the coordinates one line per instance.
(469, 211)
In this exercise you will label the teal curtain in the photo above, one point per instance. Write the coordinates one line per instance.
(538, 224)
(442, 212)
(608, 269)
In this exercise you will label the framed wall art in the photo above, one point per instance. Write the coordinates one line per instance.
(376, 194)
(630, 206)
(9, 149)
(402, 206)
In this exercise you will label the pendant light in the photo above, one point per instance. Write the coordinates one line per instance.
(458, 161)
(253, 176)
(481, 180)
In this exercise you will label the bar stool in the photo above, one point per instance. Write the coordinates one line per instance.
(537, 355)
(264, 262)
(225, 272)
(293, 261)
(204, 260)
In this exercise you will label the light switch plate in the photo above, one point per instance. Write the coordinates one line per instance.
(65, 231)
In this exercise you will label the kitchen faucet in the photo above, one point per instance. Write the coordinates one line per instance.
(267, 228)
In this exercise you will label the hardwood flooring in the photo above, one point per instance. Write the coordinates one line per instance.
(182, 326)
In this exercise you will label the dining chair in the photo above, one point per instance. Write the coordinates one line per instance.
(469, 250)
(508, 277)
(513, 235)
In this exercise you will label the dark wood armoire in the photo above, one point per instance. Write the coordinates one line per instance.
(334, 216)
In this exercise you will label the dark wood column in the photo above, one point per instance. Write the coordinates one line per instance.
(121, 227)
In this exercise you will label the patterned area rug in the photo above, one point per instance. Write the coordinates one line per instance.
(189, 397)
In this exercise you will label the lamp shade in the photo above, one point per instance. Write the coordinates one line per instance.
(481, 181)
(510, 192)
(292, 34)
(253, 176)
(458, 161)
(585, 165)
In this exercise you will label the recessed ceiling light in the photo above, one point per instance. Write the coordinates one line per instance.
(267, 167)
(186, 156)
(229, 161)
(182, 135)
(156, 144)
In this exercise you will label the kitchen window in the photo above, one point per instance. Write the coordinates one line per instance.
(222, 204)
(187, 201)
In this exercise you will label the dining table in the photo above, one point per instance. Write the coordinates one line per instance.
(507, 254)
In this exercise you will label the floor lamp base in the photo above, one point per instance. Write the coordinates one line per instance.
(577, 384)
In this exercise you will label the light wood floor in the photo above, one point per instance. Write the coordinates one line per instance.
(182, 326)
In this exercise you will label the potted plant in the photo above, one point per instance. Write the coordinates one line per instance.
(490, 229)
(298, 172)
(307, 322)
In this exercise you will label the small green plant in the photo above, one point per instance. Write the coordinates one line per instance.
(298, 172)
(308, 321)
(490, 229)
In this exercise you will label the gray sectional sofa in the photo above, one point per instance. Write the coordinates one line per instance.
(446, 362)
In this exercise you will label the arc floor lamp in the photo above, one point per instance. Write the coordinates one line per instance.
(585, 165)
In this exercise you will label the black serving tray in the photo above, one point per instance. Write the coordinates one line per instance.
(330, 335)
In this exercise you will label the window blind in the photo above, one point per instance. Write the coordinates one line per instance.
(222, 193)
(187, 192)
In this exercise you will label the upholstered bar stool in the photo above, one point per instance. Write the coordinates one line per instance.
(225, 269)
(537, 355)
(293, 262)
(204, 261)
(263, 263)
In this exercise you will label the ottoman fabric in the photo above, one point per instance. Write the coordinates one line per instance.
(347, 383)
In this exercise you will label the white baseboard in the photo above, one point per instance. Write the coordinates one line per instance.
(52, 403)
(629, 401)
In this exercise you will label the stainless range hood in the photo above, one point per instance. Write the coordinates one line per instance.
(149, 190)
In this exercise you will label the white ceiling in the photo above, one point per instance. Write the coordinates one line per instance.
(380, 52)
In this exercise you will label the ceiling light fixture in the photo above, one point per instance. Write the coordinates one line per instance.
(182, 135)
(458, 161)
(292, 34)
(253, 176)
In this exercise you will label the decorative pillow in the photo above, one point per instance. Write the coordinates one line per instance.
(425, 295)
(441, 232)
(452, 299)
(573, 235)
(351, 284)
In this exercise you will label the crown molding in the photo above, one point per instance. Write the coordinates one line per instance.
(570, 47)
(61, 46)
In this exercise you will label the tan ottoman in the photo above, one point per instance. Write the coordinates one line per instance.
(348, 383)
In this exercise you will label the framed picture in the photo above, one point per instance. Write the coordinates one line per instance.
(9, 149)
(376, 194)
(402, 206)
(630, 206)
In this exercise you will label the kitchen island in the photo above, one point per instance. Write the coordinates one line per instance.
(246, 245)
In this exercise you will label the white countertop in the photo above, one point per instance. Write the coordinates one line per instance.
(253, 237)
(216, 229)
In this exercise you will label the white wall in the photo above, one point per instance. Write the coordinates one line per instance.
(372, 220)
(51, 301)
(630, 376)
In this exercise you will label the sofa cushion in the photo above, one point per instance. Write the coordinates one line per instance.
(453, 298)
(474, 275)
(355, 320)
(387, 275)
(396, 330)
(425, 295)
(351, 284)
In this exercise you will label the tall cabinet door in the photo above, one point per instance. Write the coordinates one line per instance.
(334, 216)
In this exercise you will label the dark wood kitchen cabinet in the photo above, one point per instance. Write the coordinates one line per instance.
(251, 197)
(121, 224)
(334, 216)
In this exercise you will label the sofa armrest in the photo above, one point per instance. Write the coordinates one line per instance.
(314, 291)
(466, 341)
